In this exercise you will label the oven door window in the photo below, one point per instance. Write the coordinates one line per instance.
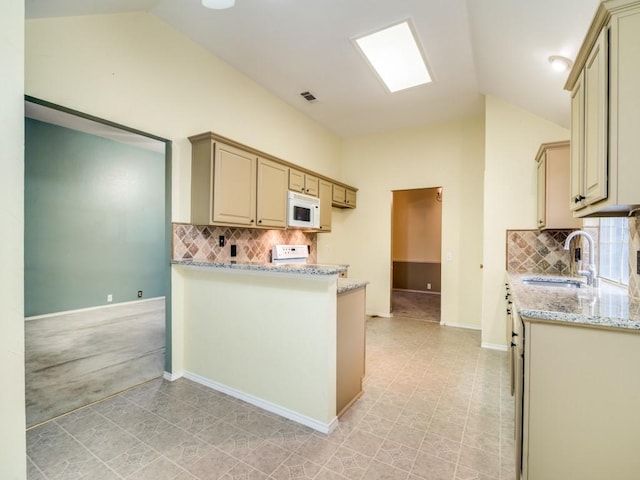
(302, 214)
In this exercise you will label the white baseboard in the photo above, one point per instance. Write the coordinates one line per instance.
(325, 428)
(172, 376)
(461, 325)
(90, 309)
(494, 346)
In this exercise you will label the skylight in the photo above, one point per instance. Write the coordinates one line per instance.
(395, 56)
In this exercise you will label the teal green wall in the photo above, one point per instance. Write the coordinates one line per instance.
(94, 220)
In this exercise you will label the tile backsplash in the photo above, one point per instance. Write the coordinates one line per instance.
(535, 251)
(200, 243)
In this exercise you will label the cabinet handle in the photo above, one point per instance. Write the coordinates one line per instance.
(508, 311)
(513, 344)
(514, 334)
(579, 198)
(259, 221)
(251, 221)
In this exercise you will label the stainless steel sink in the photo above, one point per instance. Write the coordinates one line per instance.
(552, 282)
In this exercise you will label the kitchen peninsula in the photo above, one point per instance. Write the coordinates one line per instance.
(268, 334)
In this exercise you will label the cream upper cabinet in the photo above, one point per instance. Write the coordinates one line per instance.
(576, 185)
(580, 418)
(594, 168)
(325, 192)
(223, 184)
(553, 187)
(605, 109)
(303, 182)
(343, 197)
(271, 209)
(236, 185)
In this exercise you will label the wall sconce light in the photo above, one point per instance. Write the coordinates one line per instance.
(218, 4)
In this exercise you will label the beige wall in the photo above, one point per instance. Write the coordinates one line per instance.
(12, 412)
(513, 137)
(417, 225)
(135, 70)
(448, 155)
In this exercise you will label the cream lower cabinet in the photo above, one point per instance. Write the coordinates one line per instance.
(605, 113)
(271, 208)
(325, 191)
(553, 187)
(581, 394)
(350, 348)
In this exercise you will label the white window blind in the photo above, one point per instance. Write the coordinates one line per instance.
(614, 250)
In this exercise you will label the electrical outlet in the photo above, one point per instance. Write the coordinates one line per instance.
(139, 293)
(110, 298)
(221, 241)
(638, 262)
(234, 250)
(428, 286)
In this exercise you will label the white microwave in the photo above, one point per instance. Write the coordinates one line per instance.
(303, 211)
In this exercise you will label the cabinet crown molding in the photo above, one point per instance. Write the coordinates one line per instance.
(600, 20)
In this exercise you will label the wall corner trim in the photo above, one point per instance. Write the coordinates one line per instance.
(169, 376)
(494, 346)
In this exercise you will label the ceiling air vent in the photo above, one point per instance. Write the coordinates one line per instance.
(308, 96)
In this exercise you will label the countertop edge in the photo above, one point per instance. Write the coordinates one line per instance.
(541, 309)
(347, 285)
(291, 269)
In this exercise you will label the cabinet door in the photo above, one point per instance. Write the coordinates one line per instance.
(234, 186)
(296, 180)
(272, 194)
(339, 195)
(542, 191)
(595, 122)
(577, 145)
(311, 185)
(350, 198)
(325, 191)
(555, 214)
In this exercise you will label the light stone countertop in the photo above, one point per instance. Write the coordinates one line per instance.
(348, 284)
(294, 269)
(607, 306)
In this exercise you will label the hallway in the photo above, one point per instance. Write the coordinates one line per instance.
(436, 407)
(416, 305)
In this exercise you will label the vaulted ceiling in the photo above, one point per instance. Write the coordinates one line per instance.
(474, 47)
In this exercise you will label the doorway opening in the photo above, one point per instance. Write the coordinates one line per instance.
(416, 245)
(97, 259)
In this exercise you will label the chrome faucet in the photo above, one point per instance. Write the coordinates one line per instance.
(592, 278)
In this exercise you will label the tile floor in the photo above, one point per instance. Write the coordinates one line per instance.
(436, 407)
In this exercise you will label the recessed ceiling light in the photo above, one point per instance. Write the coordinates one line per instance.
(218, 4)
(560, 63)
(395, 56)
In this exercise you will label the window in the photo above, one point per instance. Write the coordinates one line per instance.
(614, 250)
